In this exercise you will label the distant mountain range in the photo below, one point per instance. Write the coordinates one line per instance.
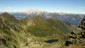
(70, 18)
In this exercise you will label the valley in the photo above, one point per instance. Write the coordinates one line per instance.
(40, 32)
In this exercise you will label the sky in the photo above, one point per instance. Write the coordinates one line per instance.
(66, 6)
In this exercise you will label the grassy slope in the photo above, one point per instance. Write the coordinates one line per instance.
(47, 27)
(17, 33)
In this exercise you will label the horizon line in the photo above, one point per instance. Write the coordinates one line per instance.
(27, 11)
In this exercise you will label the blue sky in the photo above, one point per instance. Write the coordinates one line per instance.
(67, 6)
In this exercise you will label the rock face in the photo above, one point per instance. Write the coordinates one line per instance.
(77, 38)
(82, 26)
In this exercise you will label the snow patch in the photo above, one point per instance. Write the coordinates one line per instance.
(73, 18)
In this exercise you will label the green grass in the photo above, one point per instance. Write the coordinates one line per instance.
(47, 27)
(42, 29)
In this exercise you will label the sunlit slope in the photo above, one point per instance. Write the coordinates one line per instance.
(29, 32)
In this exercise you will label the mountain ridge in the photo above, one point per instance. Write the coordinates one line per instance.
(70, 18)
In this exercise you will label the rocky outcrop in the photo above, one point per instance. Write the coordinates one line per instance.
(77, 38)
(82, 25)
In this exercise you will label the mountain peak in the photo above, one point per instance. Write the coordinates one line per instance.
(7, 17)
(31, 11)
